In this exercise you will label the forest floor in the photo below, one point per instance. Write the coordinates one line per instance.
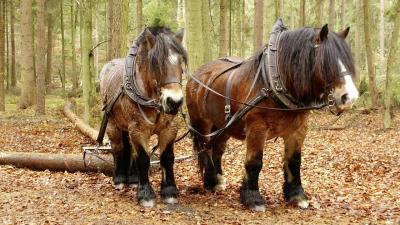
(350, 171)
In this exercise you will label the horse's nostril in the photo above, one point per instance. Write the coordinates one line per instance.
(174, 104)
(345, 98)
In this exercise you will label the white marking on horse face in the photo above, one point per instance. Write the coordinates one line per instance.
(175, 94)
(347, 94)
(173, 57)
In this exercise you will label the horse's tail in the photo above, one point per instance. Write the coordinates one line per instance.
(199, 151)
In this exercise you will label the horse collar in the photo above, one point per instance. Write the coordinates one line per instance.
(272, 78)
(130, 85)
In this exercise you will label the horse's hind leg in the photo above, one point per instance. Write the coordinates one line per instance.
(121, 156)
(130, 166)
(292, 188)
(169, 192)
(218, 149)
(203, 149)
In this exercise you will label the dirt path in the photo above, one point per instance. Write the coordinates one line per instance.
(351, 175)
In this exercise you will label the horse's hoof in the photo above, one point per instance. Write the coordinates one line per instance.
(119, 186)
(170, 200)
(258, 208)
(147, 203)
(221, 186)
(303, 204)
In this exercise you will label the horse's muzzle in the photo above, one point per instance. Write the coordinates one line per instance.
(173, 106)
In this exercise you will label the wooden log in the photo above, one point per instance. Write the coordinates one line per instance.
(57, 162)
(80, 124)
(66, 162)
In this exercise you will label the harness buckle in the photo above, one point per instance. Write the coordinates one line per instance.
(331, 100)
(278, 87)
(227, 109)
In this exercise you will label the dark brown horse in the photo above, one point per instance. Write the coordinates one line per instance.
(312, 65)
(147, 89)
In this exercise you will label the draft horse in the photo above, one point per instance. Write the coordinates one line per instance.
(265, 97)
(143, 94)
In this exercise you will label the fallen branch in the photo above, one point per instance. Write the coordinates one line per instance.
(80, 124)
(65, 162)
(57, 162)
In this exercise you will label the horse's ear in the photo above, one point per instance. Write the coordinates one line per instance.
(150, 39)
(344, 32)
(179, 34)
(323, 33)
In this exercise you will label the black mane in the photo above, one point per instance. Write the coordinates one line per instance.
(158, 55)
(307, 70)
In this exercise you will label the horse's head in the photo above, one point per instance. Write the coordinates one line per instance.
(166, 63)
(335, 66)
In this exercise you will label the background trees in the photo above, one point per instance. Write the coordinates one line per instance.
(213, 28)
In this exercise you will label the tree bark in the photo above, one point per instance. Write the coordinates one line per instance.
(243, 29)
(277, 9)
(12, 37)
(49, 55)
(117, 28)
(357, 36)
(2, 36)
(331, 15)
(7, 51)
(73, 48)
(223, 28)
(138, 16)
(382, 38)
(194, 34)
(342, 14)
(40, 60)
(258, 24)
(302, 11)
(370, 56)
(87, 57)
(27, 67)
(63, 81)
(391, 66)
(319, 7)
(206, 27)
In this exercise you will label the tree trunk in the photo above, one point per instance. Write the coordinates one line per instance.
(63, 81)
(370, 55)
(49, 43)
(7, 55)
(258, 24)
(382, 38)
(27, 68)
(12, 37)
(391, 66)
(73, 48)
(243, 28)
(302, 11)
(277, 9)
(87, 67)
(194, 34)
(223, 28)
(206, 27)
(40, 60)
(342, 14)
(117, 28)
(319, 9)
(2, 35)
(331, 20)
(357, 36)
(138, 17)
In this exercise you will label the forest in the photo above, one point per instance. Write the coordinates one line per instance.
(51, 55)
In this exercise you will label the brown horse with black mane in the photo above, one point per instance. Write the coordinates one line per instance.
(268, 96)
(143, 94)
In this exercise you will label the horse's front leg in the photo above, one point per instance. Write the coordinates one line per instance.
(292, 188)
(249, 192)
(166, 139)
(139, 137)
